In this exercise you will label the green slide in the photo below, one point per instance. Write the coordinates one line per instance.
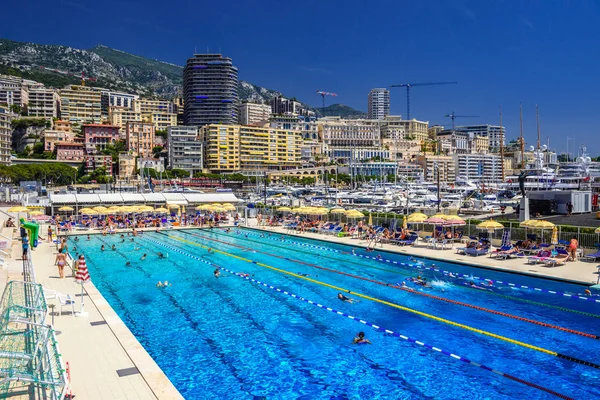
(34, 232)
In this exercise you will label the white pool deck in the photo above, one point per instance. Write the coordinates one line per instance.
(96, 353)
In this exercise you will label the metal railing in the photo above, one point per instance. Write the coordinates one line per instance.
(30, 360)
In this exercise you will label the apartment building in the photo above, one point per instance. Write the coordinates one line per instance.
(495, 133)
(159, 113)
(126, 165)
(252, 113)
(378, 103)
(306, 125)
(81, 104)
(210, 90)
(160, 120)
(69, 151)
(116, 99)
(434, 166)
(6, 118)
(139, 138)
(485, 168)
(230, 148)
(185, 148)
(43, 102)
(51, 137)
(337, 132)
(94, 162)
(120, 116)
(13, 91)
(97, 137)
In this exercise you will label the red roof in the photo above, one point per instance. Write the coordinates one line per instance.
(102, 126)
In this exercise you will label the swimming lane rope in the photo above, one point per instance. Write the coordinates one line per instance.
(435, 269)
(374, 326)
(403, 308)
(503, 314)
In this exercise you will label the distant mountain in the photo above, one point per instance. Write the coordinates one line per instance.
(57, 66)
(342, 111)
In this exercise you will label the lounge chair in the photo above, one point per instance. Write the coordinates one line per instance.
(593, 256)
(560, 259)
(477, 252)
(410, 241)
(501, 250)
(541, 256)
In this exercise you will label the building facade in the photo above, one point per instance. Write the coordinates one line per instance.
(337, 132)
(97, 137)
(210, 90)
(378, 103)
(252, 113)
(434, 166)
(139, 138)
(231, 148)
(116, 99)
(43, 103)
(120, 116)
(308, 126)
(81, 104)
(126, 165)
(350, 155)
(93, 162)
(69, 151)
(185, 148)
(51, 137)
(13, 91)
(6, 118)
(284, 106)
(486, 168)
(496, 134)
(379, 169)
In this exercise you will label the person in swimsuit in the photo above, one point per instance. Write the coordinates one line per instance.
(217, 273)
(345, 298)
(102, 248)
(61, 261)
(50, 234)
(360, 338)
(572, 249)
(144, 257)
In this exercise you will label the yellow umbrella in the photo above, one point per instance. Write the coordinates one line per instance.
(18, 209)
(418, 215)
(86, 210)
(371, 219)
(490, 225)
(216, 204)
(554, 239)
(161, 210)
(284, 209)
(36, 213)
(354, 214)
(528, 224)
(89, 212)
(228, 207)
(404, 223)
(65, 208)
(416, 218)
(542, 224)
(597, 230)
(337, 211)
(452, 218)
(438, 215)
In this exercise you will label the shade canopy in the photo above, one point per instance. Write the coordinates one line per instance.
(418, 215)
(284, 209)
(337, 211)
(18, 209)
(36, 213)
(490, 224)
(65, 208)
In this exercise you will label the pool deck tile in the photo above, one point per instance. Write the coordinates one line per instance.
(95, 353)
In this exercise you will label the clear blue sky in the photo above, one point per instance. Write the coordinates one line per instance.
(542, 52)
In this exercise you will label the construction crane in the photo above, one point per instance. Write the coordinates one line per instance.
(453, 116)
(323, 94)
(409, 85)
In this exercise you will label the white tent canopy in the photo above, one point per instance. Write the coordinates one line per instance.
(90, 199)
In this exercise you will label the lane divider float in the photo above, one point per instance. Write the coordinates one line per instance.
(409, 290)
(364, 322)
(435, 269)
(397, 306)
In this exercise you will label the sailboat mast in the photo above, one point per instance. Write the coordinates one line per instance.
(521, 139)
(501, 145)
(537, 120)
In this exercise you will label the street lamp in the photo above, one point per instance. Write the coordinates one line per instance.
(436, 167)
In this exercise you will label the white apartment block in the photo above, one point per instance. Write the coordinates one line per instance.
(434, 166)
(13, 91)
(5, 135)
(495, 133)
(252, 113)
(486, 168)
(337, 132)
(378, 103)
(117, 99)
(43, 102)
(185, 148)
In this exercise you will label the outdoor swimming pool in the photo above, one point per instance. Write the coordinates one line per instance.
(232, 337)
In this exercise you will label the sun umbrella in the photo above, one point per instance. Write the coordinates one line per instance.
(18, 209)
(228, 207)
(65, 208)
(370, 219)
(597, 230)
(542, 225)
(490, 225)
(173, 205)
(452, 218)
(284, 209)
(36, 213)
(82, 276)
(161, 210)
(416, 218)
(337, 211)
(528, 224)
(100, 208)
(435, 220)
(354, 214)
(554, 239)
(87, 211)
(404, 223)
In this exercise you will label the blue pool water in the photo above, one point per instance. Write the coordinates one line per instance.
(234, 338)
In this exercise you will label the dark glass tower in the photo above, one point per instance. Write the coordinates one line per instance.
(210, 90)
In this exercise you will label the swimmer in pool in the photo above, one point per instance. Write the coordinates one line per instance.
(159, 284)
(210, 250)
(144, 257)
(244, 275)
(217, 273)
(379, 256)
(341, 297)
(102, 248)
(132, 239)
(88, 237)
(128, 264)
(114, 247)
(360, 338)
(302, 274)
(161, 255)
(474, 286)
(353, 252)
(227, 230)
(136, 248)
(76, 239)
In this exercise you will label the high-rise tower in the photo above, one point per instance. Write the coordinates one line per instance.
(210, 90)
(379, 103)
